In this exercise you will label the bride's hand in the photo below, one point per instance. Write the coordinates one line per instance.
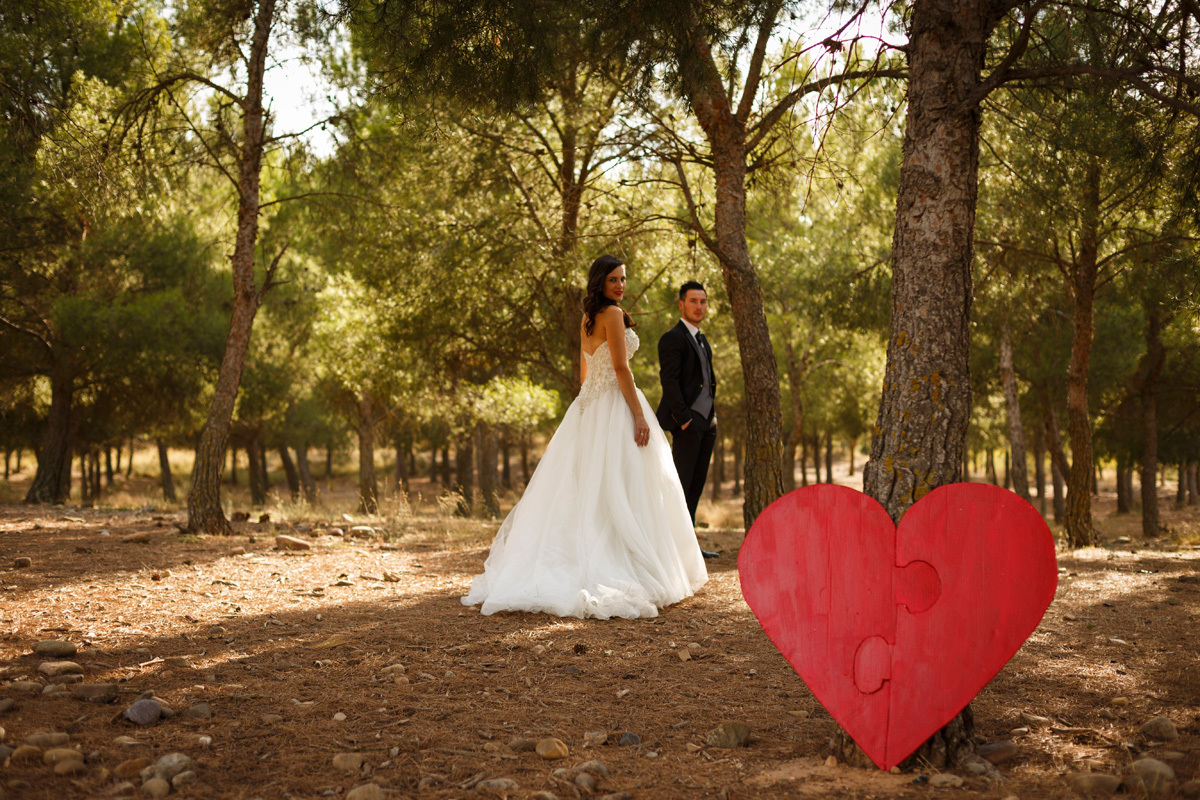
(641, 432)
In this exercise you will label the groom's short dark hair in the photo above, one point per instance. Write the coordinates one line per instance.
(688, 286)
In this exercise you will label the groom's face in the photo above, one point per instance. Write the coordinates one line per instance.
(694, 306)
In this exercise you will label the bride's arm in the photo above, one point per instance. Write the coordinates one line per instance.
(614, 334)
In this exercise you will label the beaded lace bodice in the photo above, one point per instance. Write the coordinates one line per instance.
(601, 376)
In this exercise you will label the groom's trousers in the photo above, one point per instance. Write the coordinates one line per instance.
(691, 450)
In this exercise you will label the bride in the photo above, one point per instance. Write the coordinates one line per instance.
(603, 528)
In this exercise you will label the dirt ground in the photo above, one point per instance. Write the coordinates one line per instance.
(288, 650)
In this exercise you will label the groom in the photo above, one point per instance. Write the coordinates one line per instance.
(689, 388)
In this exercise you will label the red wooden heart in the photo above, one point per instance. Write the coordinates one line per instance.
(894, 629)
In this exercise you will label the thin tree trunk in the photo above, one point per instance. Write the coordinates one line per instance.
(506, 464)
(464, 464)
(94, 457)
(1082, 288)
(85, 485)
(289, 469)
(129, 461)
(804, 462)
(7, 455)
(1181, 489)
(266, 472)
(991, 466)
(853, 447)
(1193, 483)
(164, 472)
(1153, 364)
(328, 462)
(525, 458)
(433, 463)
(233, 475)
(829, 456)
(1059, 502)
(815, 448)
(307, 484)
(446, 481)
(1007, 470)
(258, 488)
(488, 475)
(1012, 410)
(52, 481)
(1122, 494)
(718, 472)
(401, 445)
(204, 499)
(737, 468)
(368, 486)
(108, 466)
(117, 459)
(1039, 469)
(789, 460)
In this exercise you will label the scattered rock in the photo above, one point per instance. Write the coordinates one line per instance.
(55, 668)
(58, 688)
(5, 752)
(684, 655)
(127, 741)
(1160, 729)
(142, 537)
(586, 782)
(368, 791)
(831, 762)
(348, 762)
(977, 768)
(271, 719)
(27, 752)
(156, 787)
(53, 648)
(291, 543)
(70, 766)
(594, 738)
(184, 778)
(1095, 784)
(57, 754)
(143, 712)
(593, 767)
(629, 739)
(168, 767)
(552, 749)
(1190, 790)
(362, 531)
(519, 744)
(47, 739)
(998, 752)
(616, 796)
(198, 711)
(1120, 702)
(238, 551)
(393, 669)
(31, 687)
(1156, 775)
(1106, 713)
(944, 780)
(22, 562)
(335, 532)
(499, 786)
(131, 768)
(729, 734)
(7, 704)
(95, 692)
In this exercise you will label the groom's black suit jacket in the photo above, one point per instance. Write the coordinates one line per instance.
(681, 375)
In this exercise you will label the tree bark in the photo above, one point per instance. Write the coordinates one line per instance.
(307, 484)
(1059, 502)
(1081, 286)
(328, 463)
(525, 459)
(725, 130)
(789, 460)
(233, 475)
(129, 461)
(737, 468)
(204, 499)
(1012, 409)
(804, 462)
(718, 470)
(289, 469)
(401, 445)
(921, 429)
(368, 486)
(829, 456)
(852, 448)
(506, 464)
(164, 471)
(52, 481)
(1152, 367)
(85, 486)
(991, 466)
(108, 467)
(1193, 483)
(446, 482)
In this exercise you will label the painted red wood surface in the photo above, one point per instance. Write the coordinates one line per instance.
(894, 629)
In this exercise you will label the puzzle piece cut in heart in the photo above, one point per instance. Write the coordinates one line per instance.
(896, 628)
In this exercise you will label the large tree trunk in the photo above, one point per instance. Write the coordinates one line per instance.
(52, 481)
(1012, 408)
(368, 486)
(1122, 493)
(921, 430)
(307, 484)
(204, 499)
(1152, 367)
(164, 471)
(289, 469)
(725, 131)
(1082, 289)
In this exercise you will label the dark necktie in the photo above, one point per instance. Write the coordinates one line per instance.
(704, 351)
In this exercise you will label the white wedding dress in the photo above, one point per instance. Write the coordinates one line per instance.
(603, 528)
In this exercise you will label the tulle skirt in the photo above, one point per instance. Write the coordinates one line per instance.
(602, 529)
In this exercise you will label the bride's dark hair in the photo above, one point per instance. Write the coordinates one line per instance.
(594, 301)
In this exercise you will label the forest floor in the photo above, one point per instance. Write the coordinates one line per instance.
(289, 652)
